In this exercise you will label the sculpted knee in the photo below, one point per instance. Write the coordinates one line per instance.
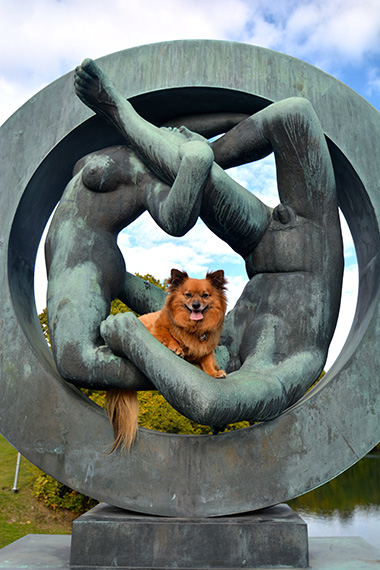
(293, 105)
(295, 111)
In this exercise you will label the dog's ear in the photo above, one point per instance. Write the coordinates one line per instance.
(217, 279)
(176, 278)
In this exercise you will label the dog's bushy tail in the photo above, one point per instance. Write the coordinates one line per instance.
(123, 409)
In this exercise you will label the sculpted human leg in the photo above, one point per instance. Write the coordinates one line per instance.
(169, 153)
(290, 128)
(252, 393)
(300, 251)
(302, 236)
(76, 306)
(184, 160)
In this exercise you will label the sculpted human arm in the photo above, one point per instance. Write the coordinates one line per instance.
(141, 296)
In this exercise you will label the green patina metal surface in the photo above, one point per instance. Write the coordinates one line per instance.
(52, 424)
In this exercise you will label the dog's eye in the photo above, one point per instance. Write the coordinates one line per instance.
(188, 295)
(205, 295)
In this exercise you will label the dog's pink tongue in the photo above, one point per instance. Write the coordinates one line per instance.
(196, 316)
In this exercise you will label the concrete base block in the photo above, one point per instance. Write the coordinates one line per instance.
(108, 536)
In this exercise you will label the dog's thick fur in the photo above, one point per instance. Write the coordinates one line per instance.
(189, 324)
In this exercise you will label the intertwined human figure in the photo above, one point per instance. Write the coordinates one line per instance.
(278, 334)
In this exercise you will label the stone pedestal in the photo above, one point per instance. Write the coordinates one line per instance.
(108, 536)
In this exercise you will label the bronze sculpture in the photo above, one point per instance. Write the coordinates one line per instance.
(326, 431)
(278, 334)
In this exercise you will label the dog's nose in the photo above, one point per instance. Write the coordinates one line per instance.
(196, 306)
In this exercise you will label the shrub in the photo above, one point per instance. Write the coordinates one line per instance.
(59, 496)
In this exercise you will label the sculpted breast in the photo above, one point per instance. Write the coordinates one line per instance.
(101, 174)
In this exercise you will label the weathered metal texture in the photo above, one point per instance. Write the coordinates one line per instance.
(56, 427)
(275, 537)
(278, 334)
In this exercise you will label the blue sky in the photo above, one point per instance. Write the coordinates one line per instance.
(40, 40)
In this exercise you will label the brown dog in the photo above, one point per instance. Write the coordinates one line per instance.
(189, 324)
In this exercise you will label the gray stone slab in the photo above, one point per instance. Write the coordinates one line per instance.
(107, 536)
(52, 552)
(37, 551)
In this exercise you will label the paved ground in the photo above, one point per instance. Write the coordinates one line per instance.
(52, 552)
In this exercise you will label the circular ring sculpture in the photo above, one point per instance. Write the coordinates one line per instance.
(52, 424)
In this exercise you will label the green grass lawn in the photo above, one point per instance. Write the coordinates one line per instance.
(21, 513)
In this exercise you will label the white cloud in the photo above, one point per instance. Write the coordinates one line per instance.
(40, 279)
(327, 34)
(43, 39)
(148, 249)
(235, 288)
(259, 178)
(349, 295)
(348, 242)
(349, 28)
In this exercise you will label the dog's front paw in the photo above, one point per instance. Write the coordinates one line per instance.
(178, 351)
(174, 347)
(221, 374)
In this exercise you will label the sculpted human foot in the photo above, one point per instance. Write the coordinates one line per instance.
(94, 88)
